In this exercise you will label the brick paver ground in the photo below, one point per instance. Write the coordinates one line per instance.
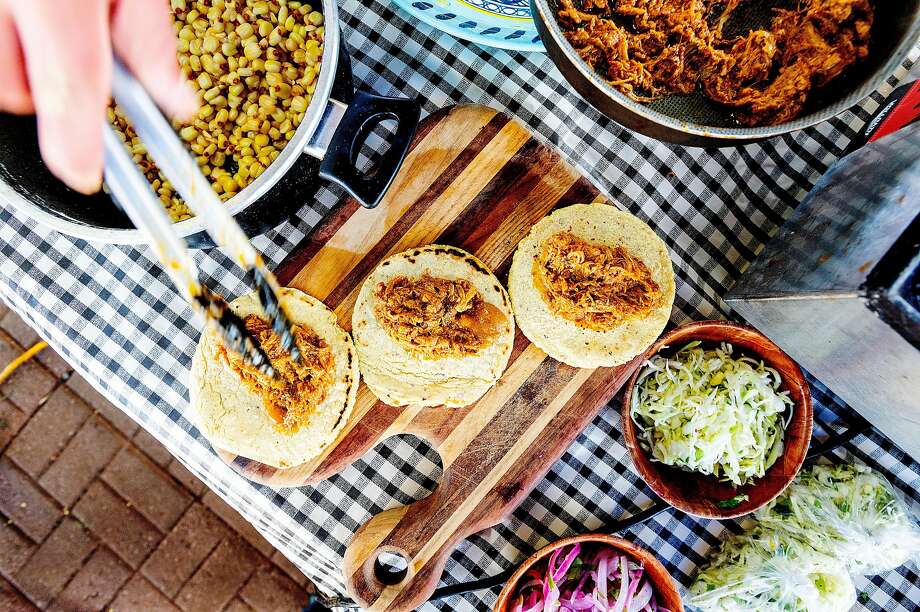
(95, 514)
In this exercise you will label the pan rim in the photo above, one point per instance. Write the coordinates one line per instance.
(910, 42)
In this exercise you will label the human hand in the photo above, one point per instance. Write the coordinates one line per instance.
(56, 61)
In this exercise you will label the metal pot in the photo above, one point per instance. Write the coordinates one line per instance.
(334, 128)
(694, 120)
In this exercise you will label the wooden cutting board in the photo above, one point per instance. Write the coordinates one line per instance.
(478, 180)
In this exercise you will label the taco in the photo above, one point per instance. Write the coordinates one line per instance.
(432, 326)
(283, 420)
(591, 285)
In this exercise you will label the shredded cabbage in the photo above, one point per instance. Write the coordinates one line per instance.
(833, 522)
(849, 512)
(708, 412)
(763, 570)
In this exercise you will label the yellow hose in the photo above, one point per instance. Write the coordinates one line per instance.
(24, 357)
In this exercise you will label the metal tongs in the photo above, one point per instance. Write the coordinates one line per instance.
(136, 197)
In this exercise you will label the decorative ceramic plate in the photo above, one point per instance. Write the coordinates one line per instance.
(506, 24)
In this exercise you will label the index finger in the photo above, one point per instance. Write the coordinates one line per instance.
(14, 85)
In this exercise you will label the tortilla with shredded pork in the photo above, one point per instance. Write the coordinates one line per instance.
(280, 422)
(432, 327)
(591, 285)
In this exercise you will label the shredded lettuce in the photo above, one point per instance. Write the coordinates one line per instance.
(733, 502)
(708, 412)
(832, 522)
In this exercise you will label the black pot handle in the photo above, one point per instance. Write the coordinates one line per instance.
(363, 114)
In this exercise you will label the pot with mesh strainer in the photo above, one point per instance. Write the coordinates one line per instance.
(695, 120)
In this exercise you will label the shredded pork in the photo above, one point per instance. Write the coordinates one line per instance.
(651, 48)
(436, 317)
(292, 395)
(593, 285)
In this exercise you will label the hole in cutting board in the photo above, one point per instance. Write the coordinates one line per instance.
(390, 568)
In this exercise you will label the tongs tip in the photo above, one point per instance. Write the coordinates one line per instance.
(234, 333)
(274, 312)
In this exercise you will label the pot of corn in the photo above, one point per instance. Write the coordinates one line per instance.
(278, 117)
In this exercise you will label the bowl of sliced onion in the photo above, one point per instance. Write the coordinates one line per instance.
(588, 573)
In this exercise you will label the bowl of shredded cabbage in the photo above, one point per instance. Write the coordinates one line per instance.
(717, 419)
(591, 572)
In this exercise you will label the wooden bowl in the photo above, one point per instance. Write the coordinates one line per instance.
(698, 494)
(665, 588)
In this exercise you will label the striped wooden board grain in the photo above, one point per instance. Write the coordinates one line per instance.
(477, 180)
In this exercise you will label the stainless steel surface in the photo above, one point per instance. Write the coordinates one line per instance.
(842, 229)
(815, 287)
(860, 358)
(322, 137)
(689, 120)
(314, 114)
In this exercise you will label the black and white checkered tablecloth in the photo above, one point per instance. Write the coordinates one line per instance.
(114, 315)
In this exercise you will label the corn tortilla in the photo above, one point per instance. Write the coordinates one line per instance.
(564, 340)
(234, 418)
(401, 378)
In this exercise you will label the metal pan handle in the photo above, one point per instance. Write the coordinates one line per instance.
(343, 131)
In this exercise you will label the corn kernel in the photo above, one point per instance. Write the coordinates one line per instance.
(209, 44)
(252, 51)
(299, 104)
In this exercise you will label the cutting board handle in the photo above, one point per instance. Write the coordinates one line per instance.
(365, 564)
(400, 534)
(492, 471)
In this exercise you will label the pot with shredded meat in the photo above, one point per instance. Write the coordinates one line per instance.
(649, 49)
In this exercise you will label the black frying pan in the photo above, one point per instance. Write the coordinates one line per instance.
(696, 121)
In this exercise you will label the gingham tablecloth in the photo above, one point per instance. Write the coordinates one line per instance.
(113, 314)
